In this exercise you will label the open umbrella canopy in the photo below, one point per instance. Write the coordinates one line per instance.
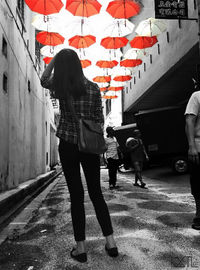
(112, 88)
(134, 53)
(50, 23)
(50, 38)
(83, 8)
(114, 42)
(109, 97)
(142, 42)
(130, 62)
(82, 41)
(45, 7)
(151, 27)
(85, 63)
(117, 84)
(123, 9)
(102, 79)
(78, 26)
(106, 64)
(122, 78)
(47, 60)
(119, 28)
(102, 89)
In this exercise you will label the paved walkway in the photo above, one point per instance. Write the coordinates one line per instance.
(152, 229)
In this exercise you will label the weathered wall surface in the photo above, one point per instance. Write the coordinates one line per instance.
(181, 40)
(26, 113)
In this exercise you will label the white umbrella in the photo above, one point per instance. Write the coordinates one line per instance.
(78, 26)
(134, 53)
(50, 51)
(117, 84)
(50, 23)
(151, 27)
(118, 28)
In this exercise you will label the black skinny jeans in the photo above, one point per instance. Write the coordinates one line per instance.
(71, 159)
(194, 170)
(113, 165)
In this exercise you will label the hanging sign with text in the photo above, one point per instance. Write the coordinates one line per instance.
(171, 9)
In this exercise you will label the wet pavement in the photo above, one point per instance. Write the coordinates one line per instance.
(152, 228)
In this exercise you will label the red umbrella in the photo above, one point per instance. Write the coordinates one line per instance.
(112, 88)
(83, 8)
(85, 63)
(49, 38)
(130, 62)
(47, 60)
(102, 79)
(45, 7)
(82, 41)
(103, 89)
(122, 78)
(141, 42)
(123, 9)
(109, 97)
(106, 64)
(114, 42)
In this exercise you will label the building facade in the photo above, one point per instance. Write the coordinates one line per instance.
(27, 133)
(165, 76)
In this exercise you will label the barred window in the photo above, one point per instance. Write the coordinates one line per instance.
(20, 6)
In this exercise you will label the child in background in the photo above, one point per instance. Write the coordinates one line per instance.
(138, 156)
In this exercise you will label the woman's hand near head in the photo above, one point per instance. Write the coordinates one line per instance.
(47, 73)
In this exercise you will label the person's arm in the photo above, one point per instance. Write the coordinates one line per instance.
(145, 152)
(190, 133)
(46, 76)
(99, 118)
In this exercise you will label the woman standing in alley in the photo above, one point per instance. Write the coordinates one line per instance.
(138, 155)
(69, 85)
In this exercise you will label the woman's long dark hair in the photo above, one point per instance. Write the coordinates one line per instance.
(68, 76)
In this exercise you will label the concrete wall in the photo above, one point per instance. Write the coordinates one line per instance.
(181, 40)
(26, 112)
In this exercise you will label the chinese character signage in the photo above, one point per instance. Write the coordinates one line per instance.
(177, 9)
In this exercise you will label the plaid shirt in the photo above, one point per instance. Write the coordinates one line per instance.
(87, 107)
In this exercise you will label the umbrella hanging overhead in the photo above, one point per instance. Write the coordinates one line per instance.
(50, 23)
(122, 78)
(112, 88)
(109, 97)
(50, 38)
(85, 63)
(102, 89)
(117, 84)
(78, 26)
(114, 42)
(82, 41)
(134, 53)
(142, 42)
(45, 7)
(50, 51)
(151, 27)
(106, 64)
(119, 28)
(47, 60)
(123, 9)
(83, 8)
(130, 62)
(102, 79)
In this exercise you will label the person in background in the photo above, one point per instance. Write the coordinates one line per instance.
(138, 155)
(192, 128)
(69, 85)
(112, 157)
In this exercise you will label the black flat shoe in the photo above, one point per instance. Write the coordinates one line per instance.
(82, 257)
(112, 252)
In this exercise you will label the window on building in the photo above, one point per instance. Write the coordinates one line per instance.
(47, 158)
(139, 74)
(29, 86)
(4, 47)
(38, 46)
(130, 85)
(20, 7)
(195, 4)
(108, 106)
(144, 66)
(5, 83)
(126, 90)
(158, 48)
(134, 80)
(167, 36)
(151, 59)
(179, 23)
